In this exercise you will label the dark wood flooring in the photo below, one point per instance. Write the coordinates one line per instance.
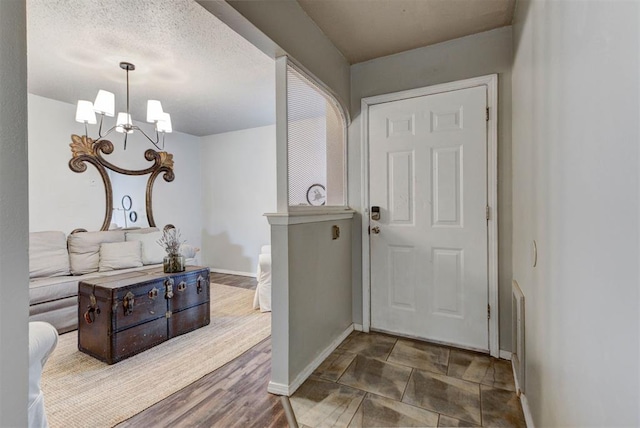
(235, 395)
(234, 280)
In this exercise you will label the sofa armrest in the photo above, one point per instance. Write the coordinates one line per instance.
(43, 339)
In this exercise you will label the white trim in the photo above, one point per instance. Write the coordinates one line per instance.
(233, 272)
(528, 417)
(282, 129)
(278, 388)
(283, 219)
(491, 82)
(357, 327)
(505, 355)
(281, 389)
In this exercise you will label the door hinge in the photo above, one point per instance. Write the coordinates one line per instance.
(488, 212)
(488, 311)
(487, 114)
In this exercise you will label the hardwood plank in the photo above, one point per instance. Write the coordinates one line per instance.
(234, 395)
(234, 280)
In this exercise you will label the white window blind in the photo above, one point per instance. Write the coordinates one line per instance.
(315, 144)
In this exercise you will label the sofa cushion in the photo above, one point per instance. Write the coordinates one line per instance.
(53, 288)
(48, 254)
(152, 252)
(119, 255)
(84, 249)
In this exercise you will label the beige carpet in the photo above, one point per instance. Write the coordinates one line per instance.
(81, 391)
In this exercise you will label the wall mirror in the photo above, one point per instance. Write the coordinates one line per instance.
(85, 150)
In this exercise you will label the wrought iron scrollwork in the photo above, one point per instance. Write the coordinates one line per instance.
(85, 150)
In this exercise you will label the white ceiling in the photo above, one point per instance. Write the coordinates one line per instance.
(207, 77)
(367, 29)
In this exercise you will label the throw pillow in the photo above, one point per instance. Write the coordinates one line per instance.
(119, 255)
(48, 254)
(84, 249)
(152, 252)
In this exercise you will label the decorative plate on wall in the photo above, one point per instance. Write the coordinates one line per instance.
(316, 195)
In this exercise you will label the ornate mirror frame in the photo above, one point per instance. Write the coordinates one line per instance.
(85, 150)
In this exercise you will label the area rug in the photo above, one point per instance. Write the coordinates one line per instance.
(80, 391)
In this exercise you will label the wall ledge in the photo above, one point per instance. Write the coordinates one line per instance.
(316, 216)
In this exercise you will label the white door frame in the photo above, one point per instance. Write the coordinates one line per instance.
(491, 82)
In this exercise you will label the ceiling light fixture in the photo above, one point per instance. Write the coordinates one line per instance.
(104, 105)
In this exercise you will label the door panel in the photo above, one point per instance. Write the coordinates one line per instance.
(428, 174)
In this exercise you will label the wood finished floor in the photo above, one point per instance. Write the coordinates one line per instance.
(235, 395)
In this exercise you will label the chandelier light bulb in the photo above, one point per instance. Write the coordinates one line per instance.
(164, 124)
(154, 111)
(85, 113)
(124, 123)
(105, 103)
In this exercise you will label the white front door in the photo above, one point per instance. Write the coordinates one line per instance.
(428, 176)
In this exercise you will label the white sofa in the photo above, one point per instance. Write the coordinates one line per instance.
(43, 339)
(58, 263)
(262, 298)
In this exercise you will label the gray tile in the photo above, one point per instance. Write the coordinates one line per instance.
(370, 345)
(449, 422)
(420, 355)
(481, 369)
(376, 411)
(500, 375)
(368, 374)
(443, 394)
(335, 365)
(501, 408)
(318, 403)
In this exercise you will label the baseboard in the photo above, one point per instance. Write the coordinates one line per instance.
(357, 327)
(233, 272)
(528, 417)
(281, 389)
(278, 388)
(505, 355)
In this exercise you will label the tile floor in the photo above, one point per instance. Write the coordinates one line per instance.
(377, 380)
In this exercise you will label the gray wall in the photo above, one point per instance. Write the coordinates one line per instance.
(320, 289)
(472, 56)
(311, 292)
(576, 88)
(14, 221)
(282, 27)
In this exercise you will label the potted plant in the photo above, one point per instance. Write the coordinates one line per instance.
(170, 241)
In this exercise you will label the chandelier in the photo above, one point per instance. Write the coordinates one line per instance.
(104, 105)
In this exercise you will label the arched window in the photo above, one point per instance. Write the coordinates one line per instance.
(316, 144)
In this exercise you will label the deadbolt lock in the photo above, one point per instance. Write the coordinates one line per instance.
(375, 230)
(375, 213)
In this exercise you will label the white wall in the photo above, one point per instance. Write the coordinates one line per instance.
(472, 56)
(576, 83)
(14, 226)
(238, 187)
(61, 199)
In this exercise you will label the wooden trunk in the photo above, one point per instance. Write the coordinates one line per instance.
(122, 315)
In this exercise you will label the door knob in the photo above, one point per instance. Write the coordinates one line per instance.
(375, 230)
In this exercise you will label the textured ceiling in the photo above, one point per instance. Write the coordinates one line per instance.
(367, 29)
(207, 77)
